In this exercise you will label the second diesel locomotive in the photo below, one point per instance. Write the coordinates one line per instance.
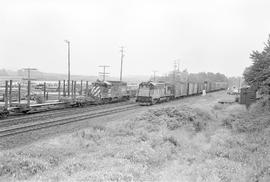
(152, 93)
(109, 91)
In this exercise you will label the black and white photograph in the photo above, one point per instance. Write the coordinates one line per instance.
(134, 90)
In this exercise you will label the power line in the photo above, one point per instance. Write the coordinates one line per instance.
(103, 74)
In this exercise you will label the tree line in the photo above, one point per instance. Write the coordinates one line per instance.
(184, 76)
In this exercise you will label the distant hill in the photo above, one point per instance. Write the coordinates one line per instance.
(37, 75)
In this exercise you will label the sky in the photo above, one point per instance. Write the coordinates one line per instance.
(203, 36)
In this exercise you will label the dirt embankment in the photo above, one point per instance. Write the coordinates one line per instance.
(172, 143)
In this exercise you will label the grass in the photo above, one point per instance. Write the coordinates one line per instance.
(180, 143)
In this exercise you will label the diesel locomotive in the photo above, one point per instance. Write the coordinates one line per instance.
(109, 91)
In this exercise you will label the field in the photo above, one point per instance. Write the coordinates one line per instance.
(191, 140)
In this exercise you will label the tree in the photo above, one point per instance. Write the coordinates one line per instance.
(258, 74)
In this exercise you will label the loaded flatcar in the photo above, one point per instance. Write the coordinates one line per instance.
(109, 91)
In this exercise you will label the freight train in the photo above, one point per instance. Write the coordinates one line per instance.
(150, 93)
(103, 92)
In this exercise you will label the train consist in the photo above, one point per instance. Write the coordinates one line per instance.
(103, 92)
(155, 92)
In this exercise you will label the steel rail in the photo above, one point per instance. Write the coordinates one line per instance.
(56, 113)
(14, 130)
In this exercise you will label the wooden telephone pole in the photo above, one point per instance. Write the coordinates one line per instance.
(155, 75)
(68, 81)
(122, 58)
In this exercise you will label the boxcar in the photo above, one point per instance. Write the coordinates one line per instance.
(191, 88)
(200, 88)
(180, 89)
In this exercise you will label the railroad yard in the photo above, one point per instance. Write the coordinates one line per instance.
(134, 91)
(190, 139)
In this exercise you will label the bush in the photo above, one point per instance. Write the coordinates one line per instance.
(177, 117)
(20, 168)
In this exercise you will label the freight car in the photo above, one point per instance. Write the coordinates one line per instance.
(109, 91)
(154, 92)
(180, 89)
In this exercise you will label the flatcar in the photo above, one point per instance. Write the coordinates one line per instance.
(109, 91)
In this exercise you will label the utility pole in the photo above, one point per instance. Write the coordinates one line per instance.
(239, 88)
(178, 65)
(155, 74)
(122, 57)
(29, 84)
(68, 42)
(174, 70)
(29, 72)
(103, 74)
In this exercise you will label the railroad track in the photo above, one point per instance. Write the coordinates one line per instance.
(56, 113)
(23, 128)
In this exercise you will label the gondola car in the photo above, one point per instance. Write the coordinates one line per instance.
(109, 91)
